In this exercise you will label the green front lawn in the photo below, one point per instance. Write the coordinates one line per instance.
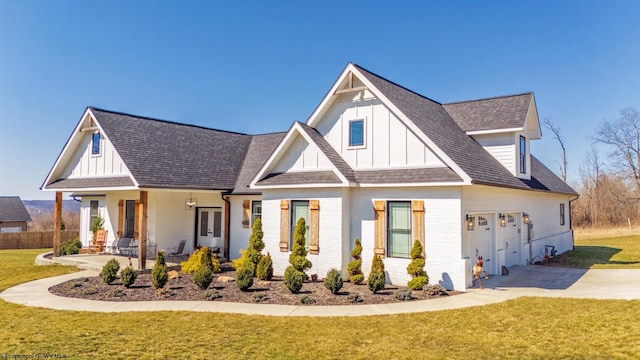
(621, 252)
(523, 328)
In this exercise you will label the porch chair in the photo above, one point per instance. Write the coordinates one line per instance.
(176, 251)
(99, 243)
(123, 246)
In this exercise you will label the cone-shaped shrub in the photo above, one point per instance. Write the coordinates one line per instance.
(333, 281)
(264, 270)
(244, 277)
(110, 270)
(159, 275)
(128, 276)
(203, 277)
(416, 268)
(377, 277)
(355, 266)
(254, 251)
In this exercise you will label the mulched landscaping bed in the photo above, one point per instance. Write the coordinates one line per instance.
(265, 292)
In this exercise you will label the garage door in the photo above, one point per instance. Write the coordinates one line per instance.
(511, 240)
(480, 242)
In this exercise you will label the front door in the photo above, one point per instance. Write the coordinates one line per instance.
(511, 240)
(210, 228)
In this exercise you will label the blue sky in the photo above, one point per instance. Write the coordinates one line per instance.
(256, 66)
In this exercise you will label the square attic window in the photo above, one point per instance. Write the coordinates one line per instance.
(356, 132)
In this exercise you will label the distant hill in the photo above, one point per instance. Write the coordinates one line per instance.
(35, 207)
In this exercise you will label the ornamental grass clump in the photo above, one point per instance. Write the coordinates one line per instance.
(355, 266)
(159, 274)
(333, 281)
(128, 276)
(295, 274)
(416, 268)
(110, 270)
(377, 278)
(264, 271)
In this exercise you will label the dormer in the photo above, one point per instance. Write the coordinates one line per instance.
(504, 126)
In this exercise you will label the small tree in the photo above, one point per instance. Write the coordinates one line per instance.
(355, 266)
(377, 278)
(159, 274)
(254, 251)
(264, 271)
(295, 273)
(416, 268)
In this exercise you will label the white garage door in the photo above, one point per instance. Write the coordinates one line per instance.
(480, 242)
(511, 240)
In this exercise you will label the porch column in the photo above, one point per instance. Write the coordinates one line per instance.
(142, 242)
(57, 223)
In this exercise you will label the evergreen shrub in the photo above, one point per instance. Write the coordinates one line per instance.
(416, 268)
(70, 247)
(333, 281)
(195, 261)
(203, 277)
(244, 277)
(355, 266)
(110, 270)
(128, 276)
(377, 278)
(159, 274)
(264, 271)
(293, 279)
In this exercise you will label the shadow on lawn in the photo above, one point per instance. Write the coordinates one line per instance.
(585, 257)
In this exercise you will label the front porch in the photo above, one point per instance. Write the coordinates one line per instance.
(97, 261)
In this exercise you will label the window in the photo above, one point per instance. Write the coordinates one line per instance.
(356, 132)
(129, 218)
(561, 214)
(93, 211)
(399, 228)
(95, 144)
(299, 209)
(523, 155)
(256, 211)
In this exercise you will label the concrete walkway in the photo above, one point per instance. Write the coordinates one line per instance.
(522, 281)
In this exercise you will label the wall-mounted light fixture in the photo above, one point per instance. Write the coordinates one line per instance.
(470, 221)
(525, 217)
(503, 220)
(190, 203)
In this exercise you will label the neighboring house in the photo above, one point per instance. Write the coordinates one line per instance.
(374, 161)
(13, 214)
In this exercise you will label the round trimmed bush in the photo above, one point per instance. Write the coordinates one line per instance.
(128, 276)
(293, 279)
(244, 277)
(110, 270)
(333, 281)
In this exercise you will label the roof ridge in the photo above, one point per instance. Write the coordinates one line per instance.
(396, 84)
(489, 98)
(164, 121)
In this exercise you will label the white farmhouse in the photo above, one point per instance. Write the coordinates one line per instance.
(374, 161)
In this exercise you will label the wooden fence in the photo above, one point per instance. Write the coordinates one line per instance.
(33, 239)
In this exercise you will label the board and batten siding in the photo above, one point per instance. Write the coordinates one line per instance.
(83, 164)
(387, 143)
(543, 209)
(302, 155)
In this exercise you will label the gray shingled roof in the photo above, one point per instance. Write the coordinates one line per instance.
(262, 146)
(436, 123)
(504, 112)
(94, 182)
(300, 177)
(419, 175)
(166, 154)
(12, 209)
(329, 151)
(544, 179)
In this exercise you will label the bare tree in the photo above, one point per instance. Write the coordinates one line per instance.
(623, 136)
(558, 136)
